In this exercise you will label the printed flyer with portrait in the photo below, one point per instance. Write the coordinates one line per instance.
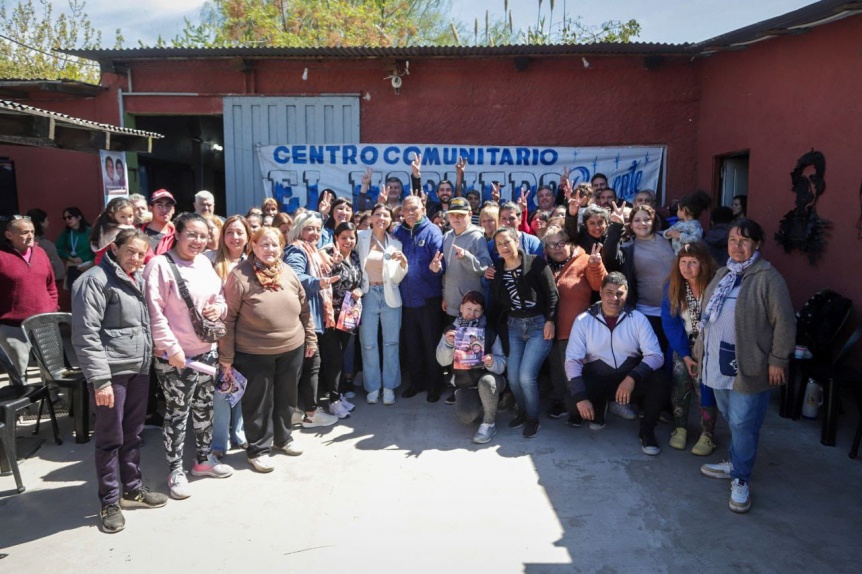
(469, 347)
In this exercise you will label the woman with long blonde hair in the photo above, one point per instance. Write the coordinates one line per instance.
(233, 248)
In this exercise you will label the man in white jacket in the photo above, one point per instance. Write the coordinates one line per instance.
(613, 354)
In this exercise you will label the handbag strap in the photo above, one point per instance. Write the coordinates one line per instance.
(181, 284)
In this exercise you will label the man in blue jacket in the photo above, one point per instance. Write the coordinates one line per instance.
(422, 297)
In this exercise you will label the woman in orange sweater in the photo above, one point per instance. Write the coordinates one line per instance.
(577, 274)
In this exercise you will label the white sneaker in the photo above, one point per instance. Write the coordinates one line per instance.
(178, 484)
(388, 397)
(373, 397)
(319, 419)
(292, 447)
(740, 497)
(720, 470)
(622, 411)
(485, 433)
(263, 463)
(212, 467)
(337, 409)
(346, 404)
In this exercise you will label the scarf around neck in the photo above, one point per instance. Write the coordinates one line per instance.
(314, 263)
(725, 286)
(269, 277)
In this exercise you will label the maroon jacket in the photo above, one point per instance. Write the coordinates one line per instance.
(26, 289)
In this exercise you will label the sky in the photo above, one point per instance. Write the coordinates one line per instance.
(671, 21)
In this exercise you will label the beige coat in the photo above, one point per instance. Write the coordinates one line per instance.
(765, 326)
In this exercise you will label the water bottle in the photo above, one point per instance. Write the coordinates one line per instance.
(813, 400)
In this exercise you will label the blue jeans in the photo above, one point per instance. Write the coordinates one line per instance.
(528, 349)
(228, 425)
(744, 414)
(375, 312)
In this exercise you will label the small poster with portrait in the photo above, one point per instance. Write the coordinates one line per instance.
(115, 174)
(469, 347)
(351, 313)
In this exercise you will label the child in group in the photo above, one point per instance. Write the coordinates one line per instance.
(118, 214)
(688, 229)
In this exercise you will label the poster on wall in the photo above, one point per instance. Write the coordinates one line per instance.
(295, 174)
(115, 175)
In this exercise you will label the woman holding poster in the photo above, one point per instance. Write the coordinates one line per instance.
(347, 307)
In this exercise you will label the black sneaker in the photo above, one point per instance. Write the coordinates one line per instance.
(450, 400)
(143, 498)
(649, 444)
(517, 422)
(112, 518)
(557, 410)
(507, 401)
(575, 421)
(532, 429)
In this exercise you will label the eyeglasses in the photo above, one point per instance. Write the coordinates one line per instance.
(556, 245)
(196, 236)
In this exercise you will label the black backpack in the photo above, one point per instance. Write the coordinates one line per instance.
(819, 321)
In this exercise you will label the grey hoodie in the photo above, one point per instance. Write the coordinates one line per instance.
(465, 274)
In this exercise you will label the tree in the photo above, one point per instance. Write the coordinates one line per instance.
(298, 23)
(29, 36)
(567, 30)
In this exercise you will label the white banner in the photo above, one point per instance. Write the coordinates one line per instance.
(294, 174)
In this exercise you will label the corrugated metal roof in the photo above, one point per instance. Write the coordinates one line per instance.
(14, 87)
(252, 52)
(797, 21)
(15, 107)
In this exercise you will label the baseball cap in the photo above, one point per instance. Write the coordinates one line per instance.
(162, 194)
(459, 205)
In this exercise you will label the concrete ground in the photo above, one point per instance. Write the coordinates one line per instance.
(402, 489)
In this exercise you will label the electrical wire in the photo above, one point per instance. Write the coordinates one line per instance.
(80, 61)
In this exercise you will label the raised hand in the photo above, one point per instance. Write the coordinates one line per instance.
(522, 199)
(416, 164)
(366, 179)
(459, 252)
(460, 166)
(436, 264)
(618, 212)
(564, 177)
(596, 255)
(383, 197)
(495, 191)
(324, 207)
(566, 186)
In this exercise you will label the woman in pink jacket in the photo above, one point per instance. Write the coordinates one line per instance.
(176, 345)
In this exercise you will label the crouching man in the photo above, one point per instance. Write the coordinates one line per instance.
(476, 353)
(613, 354)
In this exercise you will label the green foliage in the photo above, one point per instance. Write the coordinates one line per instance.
(299, 23)
(33, 33)
(566, 30)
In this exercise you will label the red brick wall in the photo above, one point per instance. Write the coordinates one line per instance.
(780, 98)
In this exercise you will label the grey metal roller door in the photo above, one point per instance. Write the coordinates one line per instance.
(259, 120)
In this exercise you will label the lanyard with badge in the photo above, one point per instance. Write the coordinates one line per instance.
(383, 246)
(73, 240)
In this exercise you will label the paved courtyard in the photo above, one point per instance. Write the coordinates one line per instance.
(402, 489)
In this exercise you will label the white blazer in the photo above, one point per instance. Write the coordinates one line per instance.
(393, 273)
